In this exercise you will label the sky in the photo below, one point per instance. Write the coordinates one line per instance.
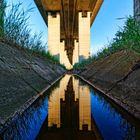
(103, 29)
(107, 24)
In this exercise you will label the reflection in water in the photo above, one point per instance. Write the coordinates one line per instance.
(54, 110)
(27, 126)
(110, 123)
(69, 95)
(69, 112)
(73, 111)
(54, 103)
(84, 107)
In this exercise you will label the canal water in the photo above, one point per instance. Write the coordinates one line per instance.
(72, 110)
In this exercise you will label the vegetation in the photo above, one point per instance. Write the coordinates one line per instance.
(15, 29)
(127, 37)
(2, 7)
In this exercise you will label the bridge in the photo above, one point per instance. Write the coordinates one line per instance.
(69, 23)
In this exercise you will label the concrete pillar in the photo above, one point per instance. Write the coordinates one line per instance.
(84, 36)
(63, 56)
(76, 52)
(62, 45)
(84, 108)
(54, 33)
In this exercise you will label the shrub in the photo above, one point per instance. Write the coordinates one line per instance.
(16, 29)
(2, 9)
(127, 37)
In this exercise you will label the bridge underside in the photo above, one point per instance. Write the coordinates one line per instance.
(69, 18)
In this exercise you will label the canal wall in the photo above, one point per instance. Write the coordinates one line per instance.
(22, 77)
(118, 77)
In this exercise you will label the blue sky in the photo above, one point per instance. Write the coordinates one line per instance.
(106, 23)
(104, 27)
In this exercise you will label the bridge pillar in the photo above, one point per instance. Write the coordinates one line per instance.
(62, 45)
(76, 52)
(63, 56)
(54, 33)
(84, 36)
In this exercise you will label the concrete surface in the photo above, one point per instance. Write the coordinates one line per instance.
(22, 76)
(118, 76)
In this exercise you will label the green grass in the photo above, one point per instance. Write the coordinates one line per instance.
(127, 37)
(49, 56)
(2, 8)
(15, 29)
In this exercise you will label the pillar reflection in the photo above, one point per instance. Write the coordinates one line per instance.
(54, 110)
(84, 108)
(54, 116)
(70, 104)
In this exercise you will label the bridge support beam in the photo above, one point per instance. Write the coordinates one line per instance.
(84, 35)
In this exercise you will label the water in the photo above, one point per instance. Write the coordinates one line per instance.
(72, 110)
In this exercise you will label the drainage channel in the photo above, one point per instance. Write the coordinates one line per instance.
(72, 110)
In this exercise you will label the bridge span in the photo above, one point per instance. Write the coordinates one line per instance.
(69, 23)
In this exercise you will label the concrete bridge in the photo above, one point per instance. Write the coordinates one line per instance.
(69, 23)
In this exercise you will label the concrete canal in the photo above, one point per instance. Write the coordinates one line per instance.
(72, 110)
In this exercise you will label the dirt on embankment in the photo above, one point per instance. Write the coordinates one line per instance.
(22, 76)
(118, 76)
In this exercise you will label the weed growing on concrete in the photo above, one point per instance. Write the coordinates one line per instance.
(127, 38)
(15, 29)
(2, 9)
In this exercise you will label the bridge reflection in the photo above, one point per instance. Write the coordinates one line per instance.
(69, 112)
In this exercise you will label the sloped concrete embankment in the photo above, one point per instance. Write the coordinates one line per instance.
(118, 76)
(22, 76)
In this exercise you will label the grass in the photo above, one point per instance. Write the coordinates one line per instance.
(2, 7)
(126, 38)
(15, 29)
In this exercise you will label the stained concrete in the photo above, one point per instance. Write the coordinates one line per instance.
(118, 76)
(22, 76)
